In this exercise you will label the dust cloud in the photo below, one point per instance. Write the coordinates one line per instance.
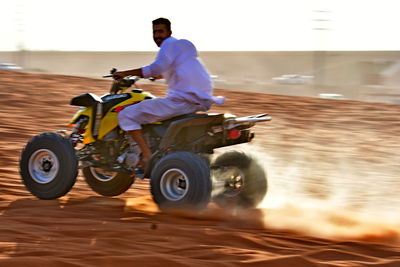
(335, 204)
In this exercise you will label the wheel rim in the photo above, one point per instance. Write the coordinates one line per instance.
(43, 166)
(232, 178)
(102, 175)
(174, 184)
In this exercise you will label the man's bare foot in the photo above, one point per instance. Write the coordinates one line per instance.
(146, 152)
(143, 160)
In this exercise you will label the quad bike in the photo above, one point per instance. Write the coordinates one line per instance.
(182, 175)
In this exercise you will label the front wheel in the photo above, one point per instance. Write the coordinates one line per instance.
(239, 180)
(181, 180)
(48, 166)
(107, 183)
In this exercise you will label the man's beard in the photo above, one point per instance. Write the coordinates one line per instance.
(159, 41)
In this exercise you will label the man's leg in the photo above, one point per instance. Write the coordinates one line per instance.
(139, 139)
(148, 111)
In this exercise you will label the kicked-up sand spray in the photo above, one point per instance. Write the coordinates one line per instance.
(337, 200)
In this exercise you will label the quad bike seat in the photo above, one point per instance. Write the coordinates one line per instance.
(184, 121)
(189, 116)
(185, 116)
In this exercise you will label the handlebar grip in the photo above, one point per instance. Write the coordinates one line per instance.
(112, 71)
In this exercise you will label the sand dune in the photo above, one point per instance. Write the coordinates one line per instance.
(333, 196)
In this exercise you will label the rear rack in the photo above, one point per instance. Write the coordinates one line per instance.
(248, 120)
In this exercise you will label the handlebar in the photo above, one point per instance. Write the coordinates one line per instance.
(124, 83)
(112, 71)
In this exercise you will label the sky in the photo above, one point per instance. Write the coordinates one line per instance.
(212, 25)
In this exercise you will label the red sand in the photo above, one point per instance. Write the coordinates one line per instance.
(312, 148)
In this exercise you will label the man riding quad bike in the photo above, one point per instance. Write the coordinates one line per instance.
(180, 171)
(122, 138)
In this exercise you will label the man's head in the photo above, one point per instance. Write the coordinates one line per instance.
(161, 30)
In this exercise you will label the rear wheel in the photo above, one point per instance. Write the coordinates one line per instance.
(239, 180)
(107, 183)
(181, 180)
(48, 166)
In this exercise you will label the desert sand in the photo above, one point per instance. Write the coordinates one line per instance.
(333, 169)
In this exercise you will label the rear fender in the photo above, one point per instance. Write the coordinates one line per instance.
(176, 128)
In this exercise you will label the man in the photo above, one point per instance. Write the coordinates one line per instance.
(189, 85)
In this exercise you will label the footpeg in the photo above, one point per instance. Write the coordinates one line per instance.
(139, 172)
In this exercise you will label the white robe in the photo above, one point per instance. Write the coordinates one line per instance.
(189, 86)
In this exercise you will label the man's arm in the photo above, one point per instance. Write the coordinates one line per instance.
(121, 74)
(162, 63)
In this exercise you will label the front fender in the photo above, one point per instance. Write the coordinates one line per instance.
(87, 112)
(83, 111)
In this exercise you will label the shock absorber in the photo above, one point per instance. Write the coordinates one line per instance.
(78, 130)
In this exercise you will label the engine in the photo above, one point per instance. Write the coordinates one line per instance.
(130, 157)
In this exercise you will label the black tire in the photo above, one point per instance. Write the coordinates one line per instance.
(107, 183)
(252, 180)
(181, 180)
(48, 166)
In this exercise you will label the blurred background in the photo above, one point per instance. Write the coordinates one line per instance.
(341, 49)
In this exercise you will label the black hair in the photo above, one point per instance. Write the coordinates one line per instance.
(164, 21)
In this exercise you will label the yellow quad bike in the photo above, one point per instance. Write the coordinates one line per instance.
(180, 170)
